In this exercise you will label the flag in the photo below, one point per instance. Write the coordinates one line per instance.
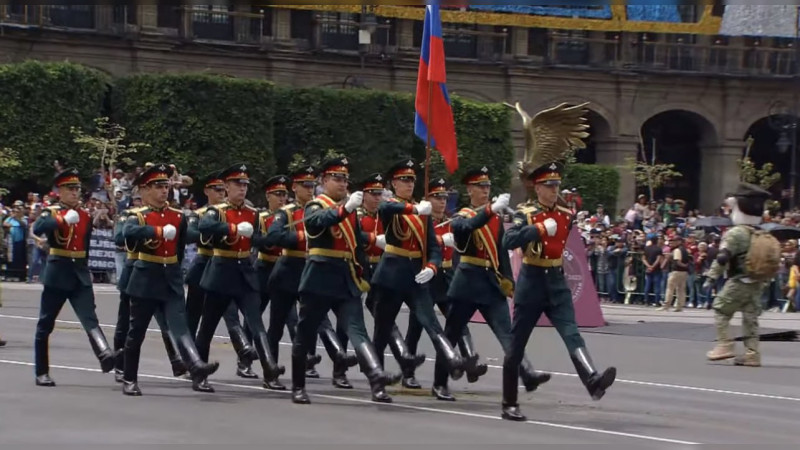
(431, 79)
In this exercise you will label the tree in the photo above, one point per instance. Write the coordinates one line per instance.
(9, 159)
(106, 144)
(749, 172)
(651, 175)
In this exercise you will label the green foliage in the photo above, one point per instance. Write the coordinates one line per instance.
(763, 176)
(39, 103)
(595, 184)
(376, 129)
(650, 175)
(199, 122)
(107, 144)
(9, 162)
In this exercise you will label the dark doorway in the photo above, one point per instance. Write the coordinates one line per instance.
(772, 143)
(678, 138)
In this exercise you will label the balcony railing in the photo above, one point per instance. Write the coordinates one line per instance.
(673, 56)
(226, 26)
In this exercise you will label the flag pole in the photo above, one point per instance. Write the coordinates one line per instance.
(427, 173)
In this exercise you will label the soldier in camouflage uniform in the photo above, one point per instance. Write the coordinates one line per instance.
(740, 292)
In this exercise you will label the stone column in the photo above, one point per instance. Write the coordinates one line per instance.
(282, 24)
(405, 33)
(719, 174)
(519, 42)
(614, 151)
(148, 17)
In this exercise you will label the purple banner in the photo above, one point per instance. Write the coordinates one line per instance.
(579, 278)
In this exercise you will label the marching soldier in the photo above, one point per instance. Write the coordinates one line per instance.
(541, 230)
(287, 231)
(332, 279)
(124, 310)
(276, 192)
(158, 233)
(66, 276)
(230, 276)
(437, 195)
(214, 190)
(367, 215)
(483, 279)
(401, 275)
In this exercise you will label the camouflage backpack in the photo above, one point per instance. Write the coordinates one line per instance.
(763, 259)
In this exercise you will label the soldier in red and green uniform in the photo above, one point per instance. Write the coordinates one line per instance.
(437, 195)
(403, 275)
(214, 190)
(333, 280)
(541, 230)
(158, 234)
(230, 276)
(287, 231)
(68, 228)
(483, 279)
(367, 214)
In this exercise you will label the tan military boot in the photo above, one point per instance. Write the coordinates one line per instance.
(749, 359)
(723, 350)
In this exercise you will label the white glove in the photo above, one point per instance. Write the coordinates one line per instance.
(380, 241)
(501, 203)
(448, 240)
(72, 217)
(424, 208)
(244, 229)
(424, 275)
(550, 225)
(169, 232)
(355, 200)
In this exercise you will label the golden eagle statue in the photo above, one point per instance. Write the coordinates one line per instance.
(551, 134)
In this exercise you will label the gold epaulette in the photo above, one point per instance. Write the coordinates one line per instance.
(289, 208)
(201, 211)
(264, 214)
(564, 210)
(530, 209)
(251, 208)
(179, 211)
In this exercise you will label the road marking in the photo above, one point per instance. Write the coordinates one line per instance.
(618, 380)
(396, 405)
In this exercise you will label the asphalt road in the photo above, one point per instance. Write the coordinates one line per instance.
(666, 395)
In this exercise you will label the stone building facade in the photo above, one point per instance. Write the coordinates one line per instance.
(693, 96)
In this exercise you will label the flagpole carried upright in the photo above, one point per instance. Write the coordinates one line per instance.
(432, 99)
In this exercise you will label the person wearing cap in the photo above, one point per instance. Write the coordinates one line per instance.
(158, 235)
(333, 280)
(230, 277)
(276, 191)
(367, 214)
(483, 279)
(287, 232)
(66, 276)
(678, 261)
(403, 275)
(437, 195)
(214, 190)
(124, 309)
(741, 291)
(541, 230)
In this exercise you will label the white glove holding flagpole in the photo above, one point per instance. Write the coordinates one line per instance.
(501, 203)
(424, 208)
(355, 200)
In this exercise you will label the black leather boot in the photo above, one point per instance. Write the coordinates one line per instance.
(338, 354)
(400, 351)
(596, 383)
(246, 353)
(510, 405)
(442, 393)
(119, 365)
(312, 359)
(42, 363)
(531, 379)
(198, 369)
(455, 364)
(101, 349)
(269, 366)
(245, 371)
(467, 349)
(299, 394)
(131, 388)
(378, 378)
(178, 367)
(274, 385)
